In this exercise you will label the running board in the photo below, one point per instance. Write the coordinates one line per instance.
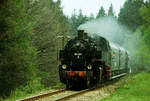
(118, 76)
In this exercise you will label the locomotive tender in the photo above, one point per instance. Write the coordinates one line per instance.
(86, 61)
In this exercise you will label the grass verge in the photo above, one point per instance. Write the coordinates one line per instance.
(32, 88)
(132, 88)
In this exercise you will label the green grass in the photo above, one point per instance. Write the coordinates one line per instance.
(32, 88)
(132, 88)
(59, 85)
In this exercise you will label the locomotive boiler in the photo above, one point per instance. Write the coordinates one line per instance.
(86, 61)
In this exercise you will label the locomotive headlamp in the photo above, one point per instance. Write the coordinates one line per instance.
(64, 66)
(89, 67)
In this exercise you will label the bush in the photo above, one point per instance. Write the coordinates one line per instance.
(32, 87)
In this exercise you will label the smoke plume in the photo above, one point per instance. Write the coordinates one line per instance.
(116, 33)
(107, 27)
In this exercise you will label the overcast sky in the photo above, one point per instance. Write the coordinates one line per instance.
(90, 6)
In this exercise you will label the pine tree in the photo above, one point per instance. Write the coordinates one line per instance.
(110, 11)
(73, 23)
(77, 20)
(81, 18)
(141, 53)
(129, 14)
(145, 36)
(17, 55)
(145, 14)
(101, 13)
(50, 24)
(91, 16)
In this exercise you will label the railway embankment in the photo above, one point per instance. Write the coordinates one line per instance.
(132, 88)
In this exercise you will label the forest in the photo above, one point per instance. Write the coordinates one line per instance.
(29, 41)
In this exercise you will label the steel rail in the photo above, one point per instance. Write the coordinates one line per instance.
(73, 95)
(37, 97)
(81, 92)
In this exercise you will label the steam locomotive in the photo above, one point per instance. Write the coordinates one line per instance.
(86, 61)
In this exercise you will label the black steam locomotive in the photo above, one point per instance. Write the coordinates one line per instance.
(86, 61)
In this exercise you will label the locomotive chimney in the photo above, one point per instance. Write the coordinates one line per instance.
(82, 34)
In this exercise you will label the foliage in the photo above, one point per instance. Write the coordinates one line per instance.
(129, 14)
(32, 87)
(50, 24)
(132, 88)
(101, 13)
(110, 11)
(59, 85)
(144, 51)
(145, 14)
(141, 55)
(17, 55)
(39, 22)
(135, 14)
(91, 17)
(76, 20)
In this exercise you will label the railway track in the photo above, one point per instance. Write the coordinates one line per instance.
(55, 94)
(61, 96)
(40, 96)
(73, 95)
(97, 87)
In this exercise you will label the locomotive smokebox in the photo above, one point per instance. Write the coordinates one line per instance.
(82, 34)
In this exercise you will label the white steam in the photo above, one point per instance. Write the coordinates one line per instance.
(115, 33)
(107, 27)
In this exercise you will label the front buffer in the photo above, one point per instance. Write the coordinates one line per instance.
(76, 78)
